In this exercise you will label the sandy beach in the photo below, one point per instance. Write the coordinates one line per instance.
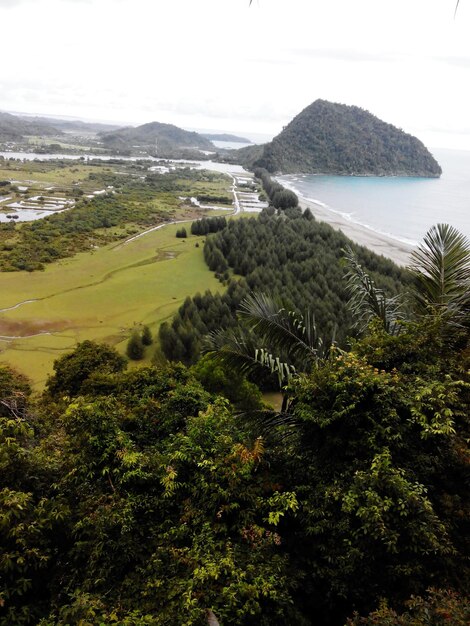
(381, 244)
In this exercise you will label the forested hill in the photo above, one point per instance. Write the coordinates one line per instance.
(333, 138)
(15, 128)
(163, 137)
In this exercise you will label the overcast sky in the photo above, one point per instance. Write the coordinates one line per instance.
(226, 65)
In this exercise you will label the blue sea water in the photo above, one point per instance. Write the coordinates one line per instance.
(401, 207)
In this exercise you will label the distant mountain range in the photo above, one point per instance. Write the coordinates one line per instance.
(15, 128)
(333, 138)
(225, 137)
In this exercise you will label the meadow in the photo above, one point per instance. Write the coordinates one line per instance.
(104, 285)
(100, 295)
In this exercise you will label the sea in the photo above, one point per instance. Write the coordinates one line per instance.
(403, 208)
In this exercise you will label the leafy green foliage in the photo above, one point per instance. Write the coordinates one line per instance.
(141, 499)
(30, 520)
(367, 302)
(385, 460)
(182, 339)
(134, 201)
(208, 225)
(172, 509)
(277, 339)
(439, 608)
(72, 370)
(228, 382)
(280, 197)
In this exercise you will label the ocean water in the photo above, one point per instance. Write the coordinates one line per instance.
(401, 207)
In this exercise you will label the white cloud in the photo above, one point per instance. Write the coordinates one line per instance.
(210, 63)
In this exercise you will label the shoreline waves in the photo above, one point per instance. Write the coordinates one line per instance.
(393, 248)
(397, 251)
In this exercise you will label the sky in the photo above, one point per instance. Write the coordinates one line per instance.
(230, 66)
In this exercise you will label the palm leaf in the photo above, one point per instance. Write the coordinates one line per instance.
(269, 338)
(367, 301)
(240, 349)
(281, 330)
(441, 268)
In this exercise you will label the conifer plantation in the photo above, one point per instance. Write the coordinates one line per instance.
(291, 256)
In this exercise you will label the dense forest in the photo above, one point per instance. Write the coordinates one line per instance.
(146, 498)
(293, 257)
(332, 138)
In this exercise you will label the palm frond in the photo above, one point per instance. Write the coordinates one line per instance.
(441, 267)
(283, 331)
(367, 301)
(271, 424)
(240, 349)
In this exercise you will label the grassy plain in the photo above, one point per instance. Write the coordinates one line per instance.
(49, 172)
(103, 292)
(97, 295)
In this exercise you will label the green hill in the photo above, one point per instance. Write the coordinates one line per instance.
(15, 128)
(333, 138)
(155, 137)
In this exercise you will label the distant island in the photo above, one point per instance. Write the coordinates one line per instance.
(332, 138)
(225, 137)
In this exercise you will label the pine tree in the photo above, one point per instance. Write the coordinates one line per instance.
(147, 338)
(135, 347)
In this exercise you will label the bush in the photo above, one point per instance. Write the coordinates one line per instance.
(440, 608)
(73, 369)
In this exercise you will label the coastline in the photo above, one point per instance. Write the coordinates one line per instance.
(397, 251)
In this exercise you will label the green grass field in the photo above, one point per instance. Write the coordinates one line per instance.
(48, 172)
(97, 295)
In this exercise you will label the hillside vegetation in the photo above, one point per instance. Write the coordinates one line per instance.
(156, 137)
(332, 138)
